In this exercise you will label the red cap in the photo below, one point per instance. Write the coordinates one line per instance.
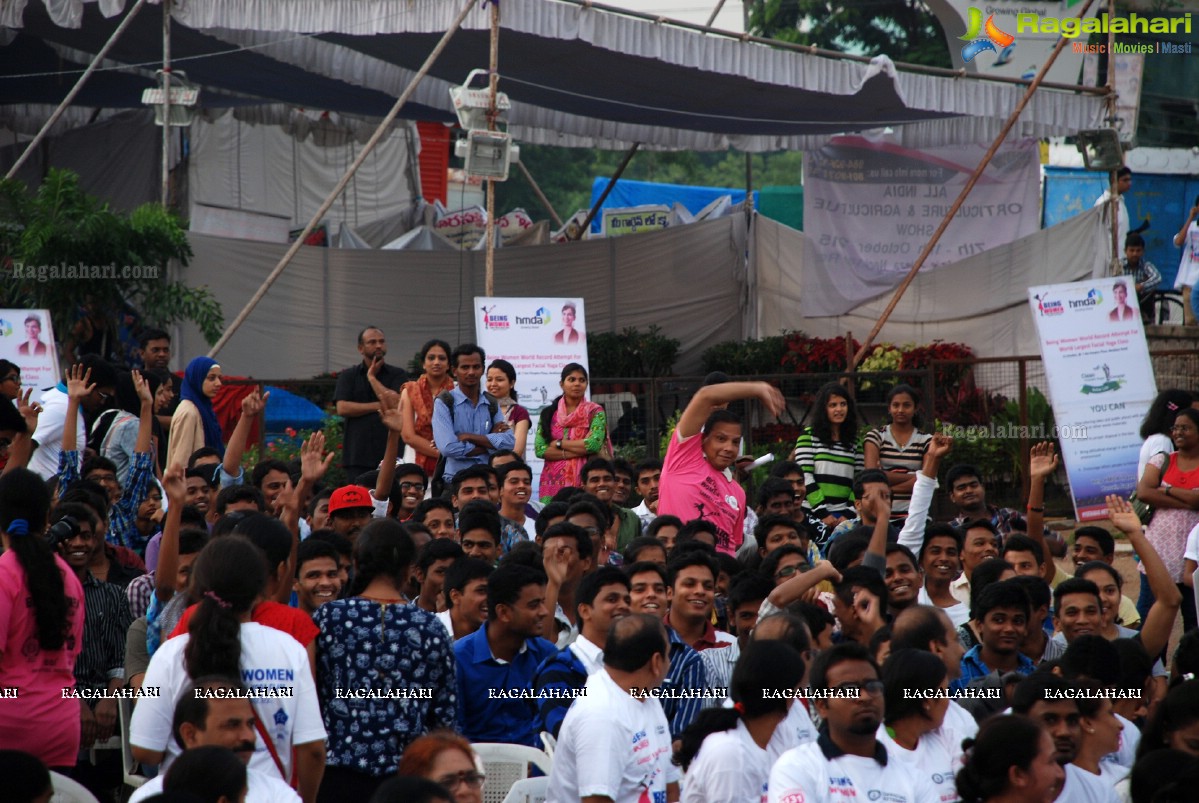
(350, 496)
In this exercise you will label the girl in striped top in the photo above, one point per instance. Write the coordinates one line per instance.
(898, 448)
(828, 453)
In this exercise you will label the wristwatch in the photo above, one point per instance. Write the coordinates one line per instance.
(559, 444)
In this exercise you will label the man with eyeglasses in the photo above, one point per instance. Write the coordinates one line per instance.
(846, 761)
(50, 423)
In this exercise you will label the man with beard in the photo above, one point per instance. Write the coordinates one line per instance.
(601, 599)
(357, 396)
(846, 760)
(1001, 616)
(496, 663)
(1043, 697)
(213, 714)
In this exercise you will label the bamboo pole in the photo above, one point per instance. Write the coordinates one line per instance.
(628, 157)
(345, 180)
(166, 104)
(493, 83)
(957, 204)
(62, 106)
(545, 202)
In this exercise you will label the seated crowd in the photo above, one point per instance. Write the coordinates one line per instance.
(277, 637)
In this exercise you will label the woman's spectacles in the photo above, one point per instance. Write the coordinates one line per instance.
(472, 779)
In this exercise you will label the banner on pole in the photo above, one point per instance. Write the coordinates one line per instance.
(870, 207)
(1101, 384)
(539, 336)
(27, 340)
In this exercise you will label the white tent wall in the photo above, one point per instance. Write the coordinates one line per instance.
(266, 169)
(981, 301)
(689, 280)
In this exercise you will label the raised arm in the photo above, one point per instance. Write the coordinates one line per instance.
(168, 552)
(22, 443)
(911, 534)
(708, 398)
(251, 407)
(794, 587)
(1181, 237)
(1155, 632)
(387, 469)
(1042, 463)
(78, 386)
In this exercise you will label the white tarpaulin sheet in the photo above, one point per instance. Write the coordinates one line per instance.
(981, 300)
(871, 206)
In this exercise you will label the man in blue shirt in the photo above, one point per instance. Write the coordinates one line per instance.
(475, 428)
(497, 662)
(1001, 615)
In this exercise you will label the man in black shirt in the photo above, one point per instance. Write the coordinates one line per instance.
(358, 403)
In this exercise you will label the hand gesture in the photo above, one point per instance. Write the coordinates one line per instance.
(1044, 461)
(772, 398)
(142, 387)
(314, 462)
(939, 446)
(372, 370)
(78, 384)
(29, 411)
(866, 606)
(557, 563)
(392, 419)
(1194, 212)
(827, 571)
(175, 485)
(253, 404)
(879, 507)
(1120, 511)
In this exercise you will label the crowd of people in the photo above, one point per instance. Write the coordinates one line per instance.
(660, 632)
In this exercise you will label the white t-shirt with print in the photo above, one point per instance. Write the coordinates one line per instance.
(796, 730)
(933, 761)
(730, 768)
(261, 788)
(612, 745)
(804, 773)
(270, 659)
(1083, 787)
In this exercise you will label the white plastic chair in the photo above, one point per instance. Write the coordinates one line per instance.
(67, 790)
(551, 744)
(120, 741)
(529, 790)
(505, 764)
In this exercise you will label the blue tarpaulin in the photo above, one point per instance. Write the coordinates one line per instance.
(1164, 201)
(641, 193)
(287, 410)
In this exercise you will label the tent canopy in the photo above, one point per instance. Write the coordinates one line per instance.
(577, 76)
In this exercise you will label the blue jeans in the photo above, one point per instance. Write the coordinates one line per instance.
(1146, 599)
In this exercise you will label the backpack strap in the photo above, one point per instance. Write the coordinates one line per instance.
(447, 398)
(493, 404)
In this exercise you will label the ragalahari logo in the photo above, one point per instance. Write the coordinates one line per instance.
(980, 37)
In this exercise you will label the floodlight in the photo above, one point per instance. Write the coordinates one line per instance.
(488, 154)
(184, 98)
(1101, 149)
(472, 105)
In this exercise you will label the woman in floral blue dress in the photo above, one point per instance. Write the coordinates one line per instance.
(385, 668)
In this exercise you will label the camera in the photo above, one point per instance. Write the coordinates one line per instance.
(64, 529)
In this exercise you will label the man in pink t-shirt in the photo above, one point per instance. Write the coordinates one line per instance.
(697, 476)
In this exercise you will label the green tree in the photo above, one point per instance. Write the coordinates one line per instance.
(61, 225)
(905, 30)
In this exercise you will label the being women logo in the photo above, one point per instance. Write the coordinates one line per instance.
(980, 37)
